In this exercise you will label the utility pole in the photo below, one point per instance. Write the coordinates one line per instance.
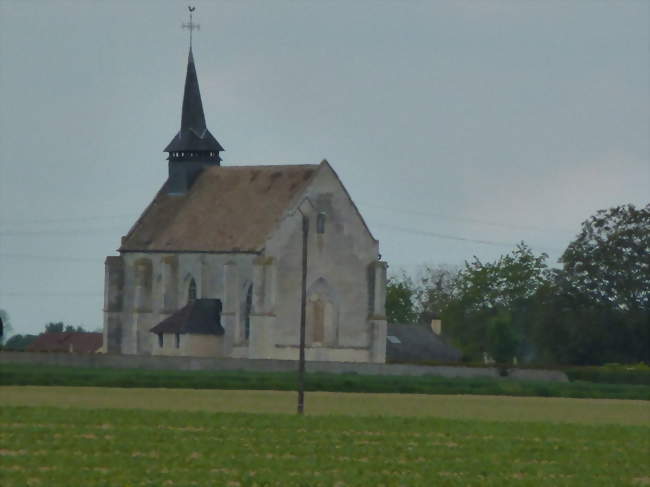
(303, 305)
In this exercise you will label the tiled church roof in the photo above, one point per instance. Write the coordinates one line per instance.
(227, 209)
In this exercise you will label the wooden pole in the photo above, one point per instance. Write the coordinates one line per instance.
(303, 304)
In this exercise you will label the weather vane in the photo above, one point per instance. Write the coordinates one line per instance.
(191, 25)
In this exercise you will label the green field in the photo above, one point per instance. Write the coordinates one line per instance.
(81, 447)
(157, 437)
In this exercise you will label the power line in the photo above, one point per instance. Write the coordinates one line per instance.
(61, 232)
(463, 218)
(54, 258)
(444, 236)
(65, 219)
(363, 203)
(51, 295)
(455, 237)
(93, 231)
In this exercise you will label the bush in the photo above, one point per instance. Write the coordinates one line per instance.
(612, 374)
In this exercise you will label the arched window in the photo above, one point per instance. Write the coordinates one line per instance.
(168, 282)
(322, 314)
(143, 284)
(191, 291)
(317, 308)
(320, 223)
(248, 305)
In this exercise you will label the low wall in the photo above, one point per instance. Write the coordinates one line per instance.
(206, 363)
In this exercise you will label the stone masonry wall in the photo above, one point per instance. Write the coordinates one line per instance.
(205, 363)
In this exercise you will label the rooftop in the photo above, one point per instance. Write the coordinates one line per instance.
(227, 209)
(67, 342)
(201, 316)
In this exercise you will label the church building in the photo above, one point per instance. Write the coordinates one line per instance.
(213, 267)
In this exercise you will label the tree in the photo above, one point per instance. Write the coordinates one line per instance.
(609, 261)
(514, 277)
(502, 339)
(400, 299)
(6, 326)
(19, 342)
(599, 309)
(484, 291)
(60, 327)
(596, 309)
(52, 327)
(436, 290)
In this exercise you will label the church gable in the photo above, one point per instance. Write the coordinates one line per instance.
(227, 209)
(356, 214)
(325, 189)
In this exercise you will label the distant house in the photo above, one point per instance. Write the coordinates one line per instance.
(418, 343)
(67, 342)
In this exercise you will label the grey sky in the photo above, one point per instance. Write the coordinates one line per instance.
(488, 121)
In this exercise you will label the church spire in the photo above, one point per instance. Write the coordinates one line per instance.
(193, 142)
(193, 148)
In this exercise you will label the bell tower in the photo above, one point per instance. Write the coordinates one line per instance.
(193, 148)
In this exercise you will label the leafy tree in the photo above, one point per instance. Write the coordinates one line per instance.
(60, 327)
(597, 310)
(72, 329)
(19, 342)
(502, 340)
(400, 299)
(485, 291)
(436, 291)
(513, 277)
(570, 329)
(54, 327)
(609, 261)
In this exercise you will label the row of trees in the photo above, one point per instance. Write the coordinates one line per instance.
(594, 309)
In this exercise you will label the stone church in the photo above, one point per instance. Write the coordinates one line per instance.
(213, 266)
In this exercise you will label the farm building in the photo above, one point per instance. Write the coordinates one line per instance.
(74, 342)
(418, 343)
(213, 266)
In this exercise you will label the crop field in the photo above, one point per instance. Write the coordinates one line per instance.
(43, 446)
(141, 437)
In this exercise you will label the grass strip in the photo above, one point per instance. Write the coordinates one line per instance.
(21, 374)
(469, 407)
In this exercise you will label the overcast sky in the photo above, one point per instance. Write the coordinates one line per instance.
(459, 128)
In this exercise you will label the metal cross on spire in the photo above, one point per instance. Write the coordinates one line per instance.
(191, 26)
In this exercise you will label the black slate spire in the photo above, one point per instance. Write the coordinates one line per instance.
(193, 148)
(194, 141)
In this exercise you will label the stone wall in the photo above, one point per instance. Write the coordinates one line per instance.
(206, 363)
(143, 289)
